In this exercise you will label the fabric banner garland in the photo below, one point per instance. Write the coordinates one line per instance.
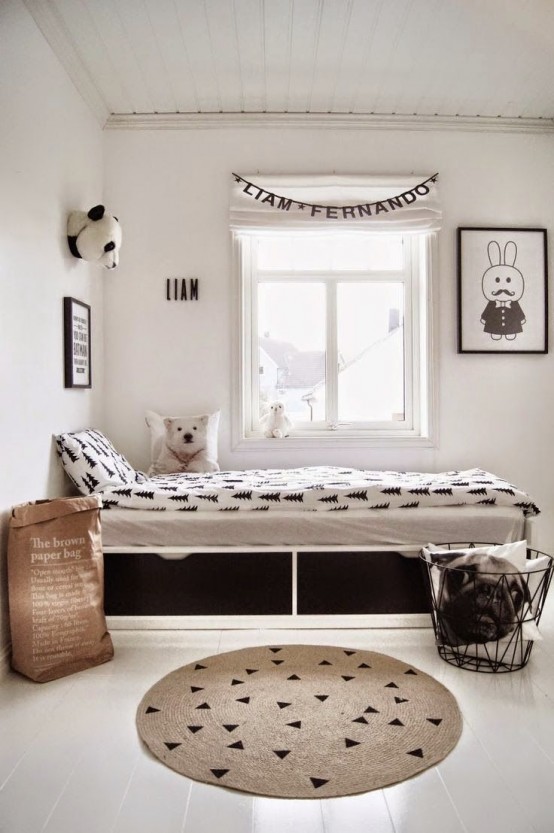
(351, 203)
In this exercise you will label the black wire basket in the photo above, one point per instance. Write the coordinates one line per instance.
(485, 621)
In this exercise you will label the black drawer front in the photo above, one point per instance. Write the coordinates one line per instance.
(360, 582)
(201, 584)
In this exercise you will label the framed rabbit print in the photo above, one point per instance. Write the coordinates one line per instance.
(502, 290)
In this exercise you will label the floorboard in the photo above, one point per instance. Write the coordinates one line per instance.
(70, 758)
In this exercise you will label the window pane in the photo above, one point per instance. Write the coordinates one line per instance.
(291, 328)
(301, 253)
(370, 340)
(337, 251)
(374, 252)
(311, 253)
(275, 252)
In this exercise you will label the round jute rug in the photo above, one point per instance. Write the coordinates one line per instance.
(299, 721)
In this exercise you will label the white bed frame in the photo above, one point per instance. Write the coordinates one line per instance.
(292, 620)
(273, 621)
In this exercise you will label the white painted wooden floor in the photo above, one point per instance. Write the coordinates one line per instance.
(71, 761)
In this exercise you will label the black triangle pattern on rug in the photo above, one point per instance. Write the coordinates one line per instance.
(378, 718)
(319, 782)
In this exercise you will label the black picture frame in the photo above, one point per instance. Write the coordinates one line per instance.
(498, 267)
(77, 344)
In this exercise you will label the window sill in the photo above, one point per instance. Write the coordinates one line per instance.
(333, 439)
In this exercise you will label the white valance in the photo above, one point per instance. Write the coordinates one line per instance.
(322, 202)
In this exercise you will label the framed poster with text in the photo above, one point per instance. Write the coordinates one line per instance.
(76, 317)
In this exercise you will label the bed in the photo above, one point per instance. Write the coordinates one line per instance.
(309, 546)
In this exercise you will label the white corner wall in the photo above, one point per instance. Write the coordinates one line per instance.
(171, 191)
(51, 162)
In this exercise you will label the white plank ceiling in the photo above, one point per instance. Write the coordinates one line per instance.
(492, 59)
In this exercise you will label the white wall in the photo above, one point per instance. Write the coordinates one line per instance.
(171, 189)
(50, 163)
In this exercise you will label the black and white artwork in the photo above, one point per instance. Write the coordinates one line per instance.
(77, 365)
(502, 290)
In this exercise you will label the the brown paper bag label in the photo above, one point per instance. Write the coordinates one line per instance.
(61, 594)
(55, 581)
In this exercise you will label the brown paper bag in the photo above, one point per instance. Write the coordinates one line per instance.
(56, 588)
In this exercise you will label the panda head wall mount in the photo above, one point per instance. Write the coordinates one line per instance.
(95, 236)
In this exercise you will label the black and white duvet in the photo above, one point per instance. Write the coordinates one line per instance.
(316, 488)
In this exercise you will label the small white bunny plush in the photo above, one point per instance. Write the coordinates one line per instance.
(276, 422)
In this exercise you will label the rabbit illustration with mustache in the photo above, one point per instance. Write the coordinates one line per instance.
(503, 286)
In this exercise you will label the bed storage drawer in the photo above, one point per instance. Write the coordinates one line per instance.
(145, 584)
(360, 582)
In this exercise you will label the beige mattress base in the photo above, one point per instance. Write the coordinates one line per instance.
(391, 528)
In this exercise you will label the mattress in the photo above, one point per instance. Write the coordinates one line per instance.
(316, 489)
(293, 528)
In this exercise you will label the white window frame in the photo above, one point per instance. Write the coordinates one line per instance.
(420, 369)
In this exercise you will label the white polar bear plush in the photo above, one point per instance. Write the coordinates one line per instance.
(94, 235)
(184, 444)
(276, 423)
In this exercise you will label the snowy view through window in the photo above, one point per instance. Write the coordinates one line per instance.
(330, 315)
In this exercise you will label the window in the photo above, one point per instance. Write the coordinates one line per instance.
(336, 326)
